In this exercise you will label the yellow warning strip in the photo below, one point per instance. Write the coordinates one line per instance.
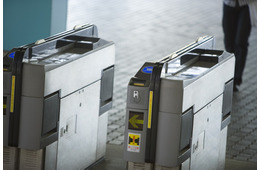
(138, 84)
(5, 69)
(12, 95)
(150, 110)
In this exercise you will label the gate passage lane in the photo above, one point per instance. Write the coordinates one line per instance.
(149, 30)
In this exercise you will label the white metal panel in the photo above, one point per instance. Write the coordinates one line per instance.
(102, 135)
(51, 156)
(78, 128)
(206, 136)
(222, 149)
(79, 73)
(206, 88)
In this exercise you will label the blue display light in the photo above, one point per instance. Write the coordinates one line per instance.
(148, 69)
(12, 55)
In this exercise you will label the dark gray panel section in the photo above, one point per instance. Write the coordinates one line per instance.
(107, 80)
(31, 122)
(51, 113)
(33, 80)
(186, 128)
(105, 107)
(6, 117)
(168, 139)
(7, 82)
(45, 141)
(227, 98)
(106, 91)
(4, 104)
(226, 121)
(171, 91)
(184, 156)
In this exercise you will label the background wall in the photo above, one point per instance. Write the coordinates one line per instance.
(29, 20)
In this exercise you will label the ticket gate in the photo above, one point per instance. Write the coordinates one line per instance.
(178, 110)
(57, 93)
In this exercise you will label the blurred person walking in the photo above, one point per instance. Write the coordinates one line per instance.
(237, 27)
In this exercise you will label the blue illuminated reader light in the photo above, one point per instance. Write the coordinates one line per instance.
(148, 69)
(11, 55)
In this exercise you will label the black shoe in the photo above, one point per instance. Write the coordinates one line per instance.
(235, 89)
(237, 81)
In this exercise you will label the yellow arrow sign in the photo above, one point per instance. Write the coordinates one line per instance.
(133, 121)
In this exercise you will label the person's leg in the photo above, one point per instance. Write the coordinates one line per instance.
(241, 43)
(229, 23)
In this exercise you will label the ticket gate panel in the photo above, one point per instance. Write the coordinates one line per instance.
(191, 80)
(58, 92)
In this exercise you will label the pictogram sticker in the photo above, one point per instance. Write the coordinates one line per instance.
(134, 141)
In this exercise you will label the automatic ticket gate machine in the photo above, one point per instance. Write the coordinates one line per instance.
(57, 92)
(178, 110)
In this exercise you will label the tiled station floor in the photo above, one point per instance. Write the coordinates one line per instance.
(149, 30)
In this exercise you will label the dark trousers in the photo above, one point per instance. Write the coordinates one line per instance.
(237, 27)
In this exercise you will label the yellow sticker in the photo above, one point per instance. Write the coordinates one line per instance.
(150, 110)
(12, 95)
(134, 141)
